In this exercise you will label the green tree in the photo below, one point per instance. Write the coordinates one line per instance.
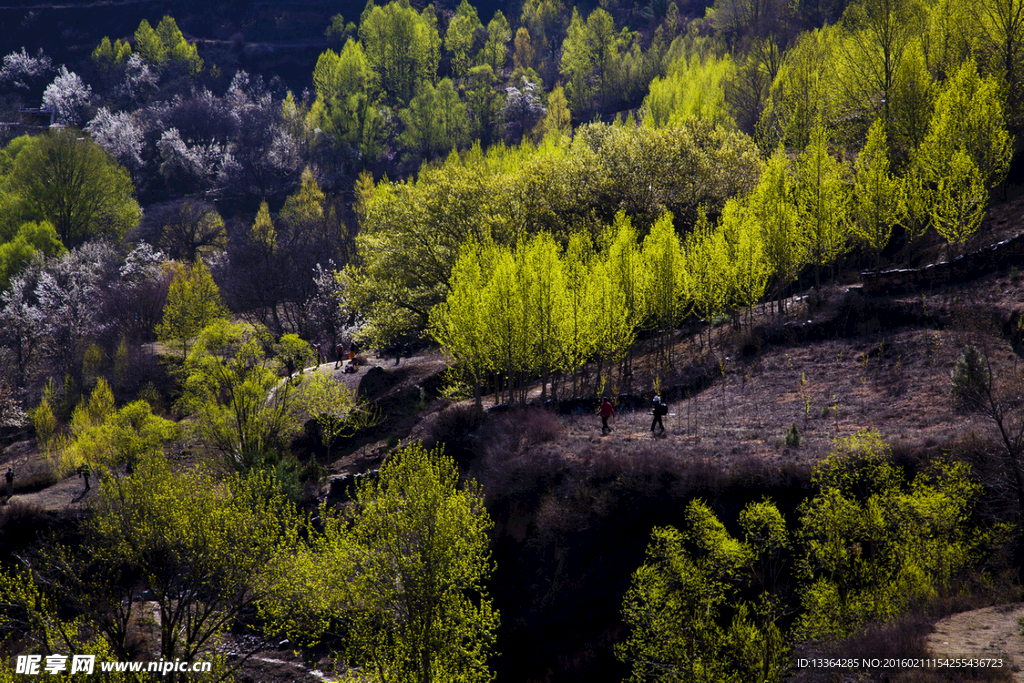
(969, 116)
(879, 35)
(30, 240)
(576, 63)
(877, 195)
(960, 201)
(772, 204)
(122, 437)
(232, 387)
(333, 406)
(822, 199)
(678, 600)
(544, 277)
(193, 302)
(523, 57)
(804, 91)
(876, 542)
(342, 75)
(750, 270)
(495, 50)
(200, 546)
(1002, 39)
(666, 280)
(691, 88)
(435, 121)
(459, 38)
(73, 184)
(558, 117)
(165, 47)
(403, 574)
(401, 47)
(458, 323)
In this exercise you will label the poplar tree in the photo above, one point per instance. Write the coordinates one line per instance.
(495, 50)
(578, 343)
(458, 323)
(822, 201)
(546, 298)
(709, 272)
(628, 274)
(960, 201)
(508, 320)
(969, 116)
(878, 202)
(750, 271)
(772, 204)
(666, 280)
(613, 331)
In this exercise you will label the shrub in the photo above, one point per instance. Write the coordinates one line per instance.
(793, 437)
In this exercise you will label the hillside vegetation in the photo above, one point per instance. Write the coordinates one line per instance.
(301, 363)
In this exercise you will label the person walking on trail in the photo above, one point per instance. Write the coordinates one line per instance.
(398, 353)
(607, 410)
(83, 473)
(10, 483)
(317, 348)
(660, 410)
(340, 352)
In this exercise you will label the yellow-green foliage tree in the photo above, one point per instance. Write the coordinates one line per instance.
(337, 75)
(877, 542)
(193, 302)
(495, 50)
(577, 344)
(70, 182)
(750, 271)
(960, 200)
(822, 198)
(666, 283)
(18, 251)
(969, 116)
(679, 602)
(708, 269)
(333, 406)
(232, 388)
(692, 88)
(626, 268)
(804, 90)
(402, 47)
(412, 230)
(166, 48)
(201, 546)
(545, 295)
(878, 198)
(458, 39)
(107, 438)
(878, 37)
(772, 205)
(458, 323)
(401, 576)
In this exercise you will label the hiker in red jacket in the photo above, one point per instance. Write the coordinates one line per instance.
(607, 410)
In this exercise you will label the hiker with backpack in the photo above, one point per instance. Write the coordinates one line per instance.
(660, 410)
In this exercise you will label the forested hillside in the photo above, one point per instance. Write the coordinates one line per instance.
(307, 312)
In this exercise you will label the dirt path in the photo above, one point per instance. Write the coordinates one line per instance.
(66, 494)
(992, 632)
